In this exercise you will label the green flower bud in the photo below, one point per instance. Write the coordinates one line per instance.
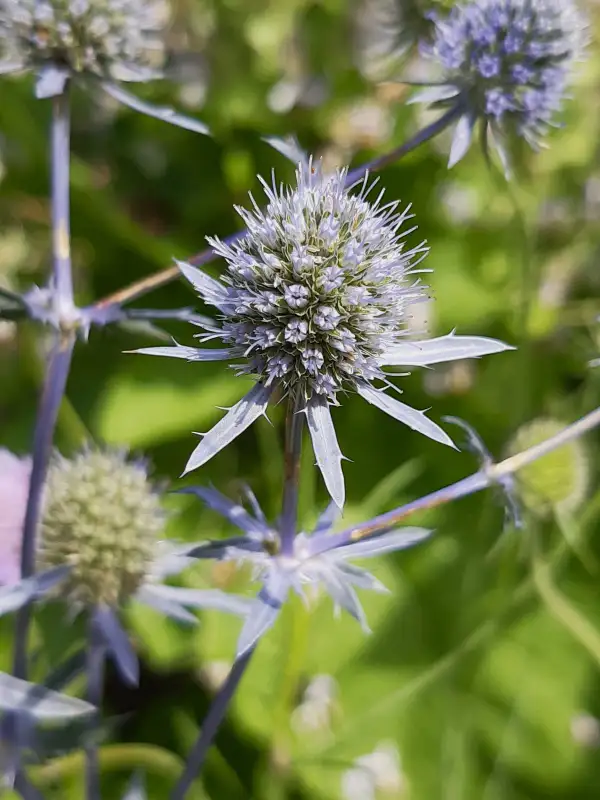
(559, 480)
(102, 517)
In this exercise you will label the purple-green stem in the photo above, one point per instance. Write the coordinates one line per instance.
(294, 429)
(58, 366)
(95, 660)
(54, 388)
(210, 726)
(165, 276)
(61, 227)
(294, 426)
(491, 475)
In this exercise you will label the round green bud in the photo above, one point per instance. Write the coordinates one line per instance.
(559, 480)
(101, 517)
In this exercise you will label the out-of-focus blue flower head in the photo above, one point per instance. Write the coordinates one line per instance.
(506, 63)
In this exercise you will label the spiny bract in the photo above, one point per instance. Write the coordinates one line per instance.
(102, 518)
(117, 38)
(508, 62)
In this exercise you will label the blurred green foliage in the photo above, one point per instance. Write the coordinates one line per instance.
(483, 667)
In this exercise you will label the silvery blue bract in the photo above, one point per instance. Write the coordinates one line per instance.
(506, 62)
(318, 560)
(314, 303)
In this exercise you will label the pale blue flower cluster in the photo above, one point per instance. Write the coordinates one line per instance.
(315, 301)
(117, 38)
(506, 62)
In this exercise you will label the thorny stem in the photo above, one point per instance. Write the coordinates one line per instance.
(60, 160)
(489, 476)
(210, 726)
(95, 684)
(165, 276)
(52, 394)
(294, 427)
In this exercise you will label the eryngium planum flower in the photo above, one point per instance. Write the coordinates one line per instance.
(506, 63)
(314, 303)
(102, 518)
(111, 38)
(100, 548)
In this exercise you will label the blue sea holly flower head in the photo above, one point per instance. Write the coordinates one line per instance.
(120, 39)
(319, 560)
(101, 546)
(100, 40)
(314, 303)
(506, 64)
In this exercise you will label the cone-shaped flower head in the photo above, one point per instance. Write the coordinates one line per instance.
(110, 38)
(99, 548)
(103, 519)
(557, 481)
(315, 302)
(507, 63)
(14, 487)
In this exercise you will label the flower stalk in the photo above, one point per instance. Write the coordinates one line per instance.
(59, 363)
(61, 236)
(95, 661)
(52, 394)
(294, 429)
(490, 475)
(210, 727)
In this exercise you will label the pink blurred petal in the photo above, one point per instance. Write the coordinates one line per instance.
(14, 485)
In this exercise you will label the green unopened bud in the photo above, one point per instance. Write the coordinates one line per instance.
(559, 480)
(103, 519)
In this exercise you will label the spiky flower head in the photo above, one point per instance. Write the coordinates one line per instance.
(319, 287)
(102, 518)
(386, 30)
(315, 302)
(507, 63)
(110, 38)
(559, 480)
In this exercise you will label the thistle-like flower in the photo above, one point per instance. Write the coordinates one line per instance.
(102, 519)
(506, 63)
(106, 40)
(318, 560)
(559, 480)
(314, 303)
(120, 40)
(100, 548)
